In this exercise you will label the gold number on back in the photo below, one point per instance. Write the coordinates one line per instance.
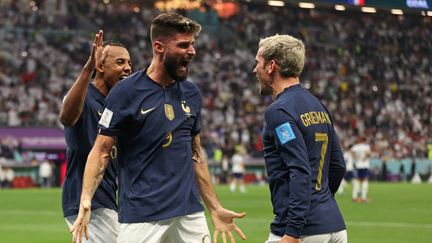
(321, 137)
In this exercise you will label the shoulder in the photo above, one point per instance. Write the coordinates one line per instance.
(190, 87)
(126, 86)
(276, 114)
(191, 91)
(129, 81)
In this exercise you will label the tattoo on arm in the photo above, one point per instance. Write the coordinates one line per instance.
(197, 152)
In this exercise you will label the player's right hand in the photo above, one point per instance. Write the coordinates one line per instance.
(81, 223)
(95, 58)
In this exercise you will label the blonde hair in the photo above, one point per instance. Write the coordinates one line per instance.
(287, 51)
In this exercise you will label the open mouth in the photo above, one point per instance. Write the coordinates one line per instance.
(183, 66)
(123, 76)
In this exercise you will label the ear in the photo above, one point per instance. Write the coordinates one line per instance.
(100, 68)
(271, 66)
(158, 47)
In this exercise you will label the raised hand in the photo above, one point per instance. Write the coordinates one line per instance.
(95, 58)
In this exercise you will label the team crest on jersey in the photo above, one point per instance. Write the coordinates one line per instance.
(285, 133)
(186, 108)
(169, 112)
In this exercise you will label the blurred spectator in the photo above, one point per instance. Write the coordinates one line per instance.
(9, 176)
(45, 174)
(2, 177)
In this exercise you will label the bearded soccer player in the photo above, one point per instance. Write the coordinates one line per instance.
(302, 153)
(155, 116)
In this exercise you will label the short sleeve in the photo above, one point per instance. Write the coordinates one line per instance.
(118, 109)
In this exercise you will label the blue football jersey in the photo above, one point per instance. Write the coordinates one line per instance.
(80, 139)
(154, 127)
(304, 163)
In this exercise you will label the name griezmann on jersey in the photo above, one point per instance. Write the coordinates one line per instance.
(315, 118)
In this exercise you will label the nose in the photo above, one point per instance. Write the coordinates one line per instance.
(254, 70)
(191, 50)
(127, 68)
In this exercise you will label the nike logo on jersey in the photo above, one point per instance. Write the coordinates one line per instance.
(143, 112)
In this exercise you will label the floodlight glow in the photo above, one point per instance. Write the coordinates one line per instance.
(368, 10)
(306, 5)
(276, 3)
(340, 7)
(397, 11)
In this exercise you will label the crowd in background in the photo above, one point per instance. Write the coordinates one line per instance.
(372, 71)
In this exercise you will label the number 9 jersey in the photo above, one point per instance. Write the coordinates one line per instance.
(304, 163)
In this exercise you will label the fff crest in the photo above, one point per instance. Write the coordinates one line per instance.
(186, 108)
(169, 112)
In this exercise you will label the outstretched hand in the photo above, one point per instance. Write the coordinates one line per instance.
(223, 221)
(81, 223)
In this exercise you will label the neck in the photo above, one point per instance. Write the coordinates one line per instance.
(280, 84)
(100, 84)
(156, 71)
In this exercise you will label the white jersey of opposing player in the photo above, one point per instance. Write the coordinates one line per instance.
(349, 161)
(361, 155)
(238, 163)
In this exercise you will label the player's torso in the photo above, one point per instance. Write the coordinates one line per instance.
(155, 152)
(80, 139)
(314, 123)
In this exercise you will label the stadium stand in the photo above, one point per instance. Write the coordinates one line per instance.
(373, 71)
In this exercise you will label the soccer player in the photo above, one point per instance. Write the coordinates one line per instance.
(302, 153)
(349, 174)
(238, 169)
(80, 113)
(154, 115)
(362, 153)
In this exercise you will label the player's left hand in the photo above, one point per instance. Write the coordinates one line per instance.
(80, 225)
(223, 221)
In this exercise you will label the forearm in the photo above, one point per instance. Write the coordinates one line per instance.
(74, 100)
(298, 201)
(97, 162)
(336, 174)
(202, 176)
(93, 174)
(205, 186)
(337, 165)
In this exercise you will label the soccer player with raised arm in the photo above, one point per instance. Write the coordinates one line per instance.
(302, 153)
(155, 117)
(81, 110)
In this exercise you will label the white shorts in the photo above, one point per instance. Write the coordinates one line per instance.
(191, 228)
(103, 226)
(336, 237)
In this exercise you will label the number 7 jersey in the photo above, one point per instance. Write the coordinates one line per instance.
(304, 163)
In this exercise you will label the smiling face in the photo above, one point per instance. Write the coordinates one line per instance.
(116, 65)
(262, 74)
(178, 53)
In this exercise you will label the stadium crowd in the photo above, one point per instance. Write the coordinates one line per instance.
(373, 71)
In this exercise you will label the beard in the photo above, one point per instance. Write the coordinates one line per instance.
(171, 66)
(265, 90)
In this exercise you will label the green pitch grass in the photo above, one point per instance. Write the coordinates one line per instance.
(397, 213)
